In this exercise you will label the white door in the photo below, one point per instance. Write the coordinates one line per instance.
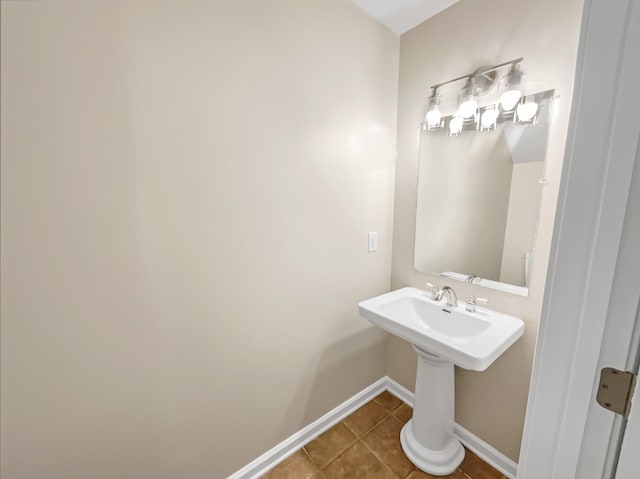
(605, 430)
(593, 284)
(629, 462)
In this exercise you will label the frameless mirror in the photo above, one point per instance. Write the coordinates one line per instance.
(479, 196)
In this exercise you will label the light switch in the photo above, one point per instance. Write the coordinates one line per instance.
(373, 241)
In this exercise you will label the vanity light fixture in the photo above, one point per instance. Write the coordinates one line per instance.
(433, 117)
(478, 83)
(511, 87)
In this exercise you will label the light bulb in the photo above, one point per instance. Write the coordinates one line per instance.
(467, 104)
(468, 108)
(509, 99)
(488, 118)
(433, 117)
(455, 125)
(526, 111)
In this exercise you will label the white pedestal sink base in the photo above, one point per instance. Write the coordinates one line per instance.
(427, 439)
(438, 463)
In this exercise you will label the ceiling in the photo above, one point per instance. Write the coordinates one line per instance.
(402, 15)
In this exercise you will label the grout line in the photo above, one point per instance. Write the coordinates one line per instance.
(402, 403)
(401, 423)
(333, 459)
(358, 439)
(336, 456)
(400, 419)
(360, 436)
(376, 425)
(339, 454)
(349, 428)
(380, 459)
(374, 452)
(304, 448)
(304, 451)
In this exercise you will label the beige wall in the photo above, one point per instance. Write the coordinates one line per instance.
(468, 35)
(187, 188)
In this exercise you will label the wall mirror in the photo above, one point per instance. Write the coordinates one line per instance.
(478, 197)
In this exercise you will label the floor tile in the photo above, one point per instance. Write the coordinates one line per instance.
(365, 418)
(296, 466)
(388, 401)
(404, 413)
(357, 462)
(478, 469)
(423, 475)
(330, 444)
(384, 441)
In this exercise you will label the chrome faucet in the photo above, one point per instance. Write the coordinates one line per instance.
(452, 297)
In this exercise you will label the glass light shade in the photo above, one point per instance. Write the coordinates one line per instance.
(467, 104)
(509, 99)
(526, 111)
(433, 117)
(455, 125)
(488, 118)
(511, 88)
(468, 108)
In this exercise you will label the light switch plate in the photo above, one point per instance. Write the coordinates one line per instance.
(373, 241)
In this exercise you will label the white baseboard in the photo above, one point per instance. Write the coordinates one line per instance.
(279, 453)
(399, 390)
(486, 452)
(290, 445)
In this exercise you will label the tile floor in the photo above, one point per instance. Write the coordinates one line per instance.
(367, 445)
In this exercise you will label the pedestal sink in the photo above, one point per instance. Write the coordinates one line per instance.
(441, 336)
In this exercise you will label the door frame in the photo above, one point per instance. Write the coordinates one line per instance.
(590, 216)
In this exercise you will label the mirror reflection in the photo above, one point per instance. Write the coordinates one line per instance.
(479, 196)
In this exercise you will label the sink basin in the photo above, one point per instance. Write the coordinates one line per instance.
(470, 340)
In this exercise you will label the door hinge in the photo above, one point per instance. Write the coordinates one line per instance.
(616, 390)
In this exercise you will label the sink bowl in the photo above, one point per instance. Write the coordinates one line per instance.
(470, 340)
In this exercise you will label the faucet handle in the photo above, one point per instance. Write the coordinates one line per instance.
(433, 289)
(473, 301)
